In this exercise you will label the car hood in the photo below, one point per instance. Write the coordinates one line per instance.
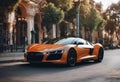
(44, 47)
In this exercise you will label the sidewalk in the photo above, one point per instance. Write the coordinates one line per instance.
(7, 57)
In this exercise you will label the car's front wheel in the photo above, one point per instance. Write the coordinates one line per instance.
(71, 58)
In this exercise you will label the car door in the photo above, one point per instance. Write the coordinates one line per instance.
(84, 48)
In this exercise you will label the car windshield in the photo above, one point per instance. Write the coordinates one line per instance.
(51, 41)
(65, 41)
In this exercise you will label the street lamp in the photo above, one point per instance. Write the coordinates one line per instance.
(77, 2)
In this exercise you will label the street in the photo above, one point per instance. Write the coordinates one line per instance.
(106, 71)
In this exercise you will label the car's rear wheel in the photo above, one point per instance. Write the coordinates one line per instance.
(71, 59)
(100, 55)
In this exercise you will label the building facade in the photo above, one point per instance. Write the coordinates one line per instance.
(23, 26)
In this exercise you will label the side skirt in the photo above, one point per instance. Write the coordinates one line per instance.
(88, 57)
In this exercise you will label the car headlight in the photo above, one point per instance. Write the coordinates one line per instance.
(57, 52)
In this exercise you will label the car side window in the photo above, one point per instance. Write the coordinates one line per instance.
(79, 42)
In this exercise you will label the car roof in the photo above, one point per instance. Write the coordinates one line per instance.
(74, 38)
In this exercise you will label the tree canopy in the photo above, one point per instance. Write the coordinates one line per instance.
(65, 5)
(70, 15)
(51, 15)
(7, 6)
(95, 20)
(90, 17)
(113, 21)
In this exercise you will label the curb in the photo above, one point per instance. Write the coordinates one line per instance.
(11, 57)
(11, 61)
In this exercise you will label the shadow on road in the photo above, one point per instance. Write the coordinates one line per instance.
(24, 69)
(50, 65)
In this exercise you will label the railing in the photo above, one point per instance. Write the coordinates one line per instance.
(11, 48)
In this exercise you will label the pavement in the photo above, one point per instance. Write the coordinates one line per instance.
(7, 57)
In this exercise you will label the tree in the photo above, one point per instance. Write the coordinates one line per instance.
(65, 5)
(90, 18)
(51, 15)
(7, 6)
(113, 21)
(113, 12)
(63, 29)
(70, 15)
(85, 8)
(95, 20)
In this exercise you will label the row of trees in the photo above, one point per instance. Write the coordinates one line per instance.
(64, 11)
(112, 27)
(112, 16)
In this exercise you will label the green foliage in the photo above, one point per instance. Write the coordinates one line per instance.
(7, 6)
(101, 23)
(95, 20)
(104, 15)
(71, 15)
(113, 21)
(65, 5)
(51, 15)
(63, 29)
(90, 17)
(85, 8)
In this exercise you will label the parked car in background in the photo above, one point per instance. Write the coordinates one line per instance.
(111, 44)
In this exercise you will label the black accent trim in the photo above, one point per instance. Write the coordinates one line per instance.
(53, 56)
(91, 51)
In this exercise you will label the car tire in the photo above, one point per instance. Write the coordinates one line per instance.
(100, 55)
(71, 58)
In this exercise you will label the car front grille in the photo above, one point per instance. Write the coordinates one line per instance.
(35, 56)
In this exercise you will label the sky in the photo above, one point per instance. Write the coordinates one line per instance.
(106, 3)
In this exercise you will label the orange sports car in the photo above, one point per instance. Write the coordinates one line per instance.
(67, 51)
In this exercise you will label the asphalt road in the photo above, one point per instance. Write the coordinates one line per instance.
(107, 71)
